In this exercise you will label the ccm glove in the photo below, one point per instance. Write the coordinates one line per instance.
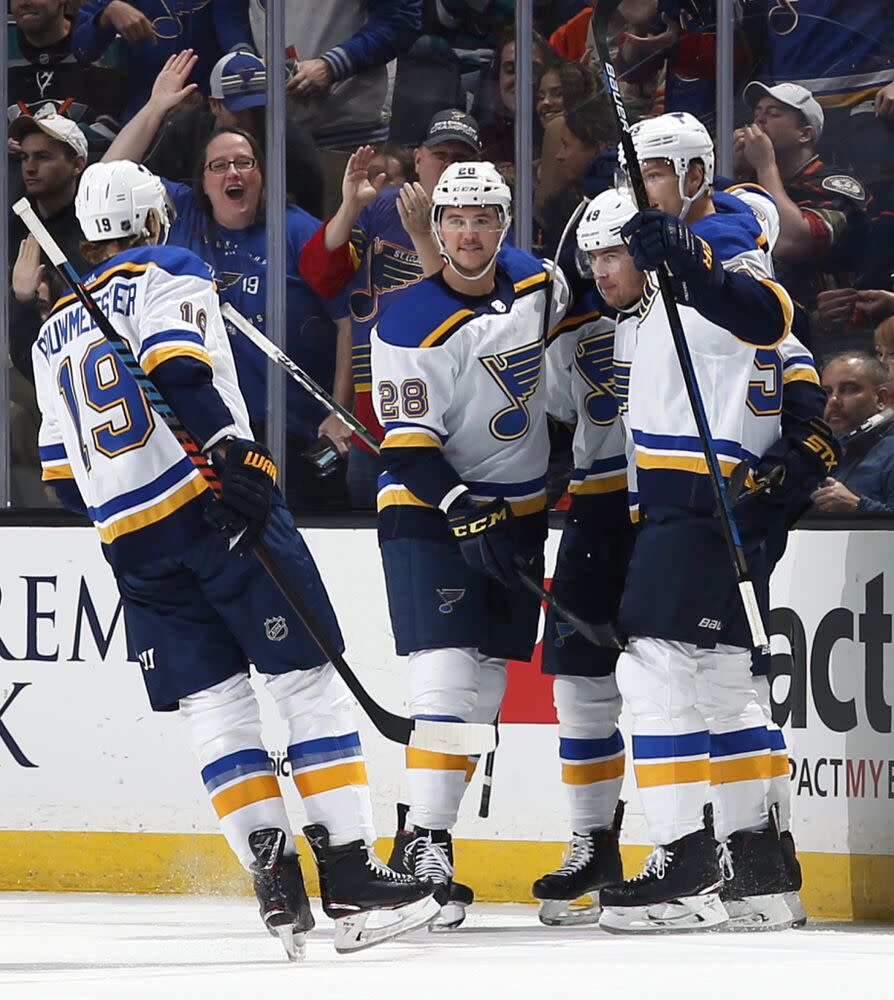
(656, 238)
(247, 479)
(484, 537)
(806, 453)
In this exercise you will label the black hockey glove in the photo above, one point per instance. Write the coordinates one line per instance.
(806, 453)
(656, 238)
(484, 537)
(248, 479)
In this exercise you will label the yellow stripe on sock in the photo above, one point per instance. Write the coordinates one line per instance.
(682, 772)
(587, 774)
(779, 766)
(264, 786)
(725, 772)
(436, 761)
(325, 779)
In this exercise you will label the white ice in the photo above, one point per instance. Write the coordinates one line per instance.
(92, 947)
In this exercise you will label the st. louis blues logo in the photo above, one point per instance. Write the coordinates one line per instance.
(593, 362)
(517, 373)
(563, 631)
(449, 596)
(390, 267)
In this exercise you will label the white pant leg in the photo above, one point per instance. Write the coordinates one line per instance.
(224, 726)
(740, 754)
(325, 752)
(591, 749)
(656, 678)
(780, 792)
(443, 683)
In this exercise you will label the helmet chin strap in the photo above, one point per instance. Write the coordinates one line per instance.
(688, 200)
(449, 260)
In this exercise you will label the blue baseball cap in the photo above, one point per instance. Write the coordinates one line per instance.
(239, 81)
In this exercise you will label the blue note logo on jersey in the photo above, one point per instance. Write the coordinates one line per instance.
(593, 361)
(563, 631)
(390, 267)
(449, 596)
(517, 373)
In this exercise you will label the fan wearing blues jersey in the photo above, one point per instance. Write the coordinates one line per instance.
(457, 383)
(198, 605)
(698, 725)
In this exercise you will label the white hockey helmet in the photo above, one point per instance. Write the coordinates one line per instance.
(465, 185)
(602, 221)
(114, 200)
(679, 138)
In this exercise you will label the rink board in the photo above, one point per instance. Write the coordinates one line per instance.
(100, 794)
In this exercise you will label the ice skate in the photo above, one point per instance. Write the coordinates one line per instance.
(458, 897)
(279, 886)
(754, 880)
(570, 895)
(792, 879)
(369, 902)
(677, 891)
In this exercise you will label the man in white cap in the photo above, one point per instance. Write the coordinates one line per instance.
(53, 157)
(822, 210)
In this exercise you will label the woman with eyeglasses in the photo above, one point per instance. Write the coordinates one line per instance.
(220, 217)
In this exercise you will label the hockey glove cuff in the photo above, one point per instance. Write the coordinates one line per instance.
(807, 453)
(484, 537)
(247, 479)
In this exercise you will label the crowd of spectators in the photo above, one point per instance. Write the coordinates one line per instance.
(381, 96)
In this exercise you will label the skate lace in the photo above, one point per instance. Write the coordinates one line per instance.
(579, 854)
(725, 860)
(656, 864)
(378, 867)
(427, 860)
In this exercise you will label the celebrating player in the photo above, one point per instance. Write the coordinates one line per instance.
(590, 567)
(686, 672)
(456, 368)
(198, 607)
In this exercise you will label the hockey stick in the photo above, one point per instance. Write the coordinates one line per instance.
(266, 346)
(488, 779)
(596, 634)
(602, 15)
(439, 737)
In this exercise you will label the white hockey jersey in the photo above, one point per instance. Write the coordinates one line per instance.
(580, 390)
(139, 487)
(463, 376)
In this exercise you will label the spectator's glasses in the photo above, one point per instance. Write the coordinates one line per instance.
(242, 163)
(480, 225)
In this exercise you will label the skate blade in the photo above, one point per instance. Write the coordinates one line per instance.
(570, 912)
(372, 927)
(758, 913)
(294, 942)
(688, 914)
(451, 915)
(793, 901)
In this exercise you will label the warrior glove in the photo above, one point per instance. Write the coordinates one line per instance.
(484, 537)
(247, 481)
(657, 238)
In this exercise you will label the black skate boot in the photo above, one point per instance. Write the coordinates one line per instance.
(677, 890)
(279, 887)
(368, 901)
(459, 896)
(754, 880)
(793, 880)
(592, 860)
(428, 856)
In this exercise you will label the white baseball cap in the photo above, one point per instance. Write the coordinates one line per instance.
(791, 94)
(55, 126)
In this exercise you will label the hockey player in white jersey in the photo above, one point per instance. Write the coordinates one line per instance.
(198, 610)
(686, 672)
(590, 570)
(457, 368)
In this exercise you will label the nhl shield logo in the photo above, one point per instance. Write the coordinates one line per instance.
(449, 596)
(276, 628)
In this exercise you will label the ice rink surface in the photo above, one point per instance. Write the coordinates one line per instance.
(92, 947)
